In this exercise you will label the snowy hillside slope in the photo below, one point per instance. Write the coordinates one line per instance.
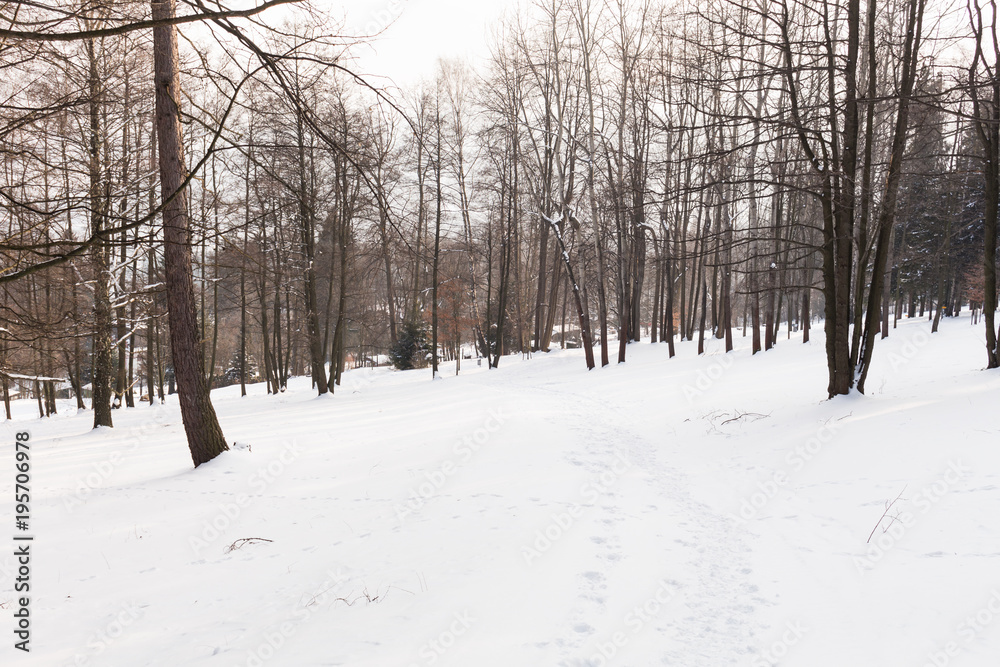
(693, 512)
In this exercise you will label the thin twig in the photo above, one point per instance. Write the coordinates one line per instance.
(888, 506)
(741, 415)
(245, 540)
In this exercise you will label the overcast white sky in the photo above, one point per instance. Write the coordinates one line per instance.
(419, 32)
(416, 33)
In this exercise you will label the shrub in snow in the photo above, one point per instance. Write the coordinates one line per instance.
(233, 374)
(410, 350)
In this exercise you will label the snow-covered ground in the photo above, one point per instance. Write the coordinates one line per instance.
(688, 512)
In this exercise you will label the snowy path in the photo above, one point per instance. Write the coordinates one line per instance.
(694, 512)
(698, 610)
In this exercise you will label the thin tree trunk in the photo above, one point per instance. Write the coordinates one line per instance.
(437, 248)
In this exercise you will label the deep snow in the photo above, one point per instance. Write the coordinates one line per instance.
(688, 512)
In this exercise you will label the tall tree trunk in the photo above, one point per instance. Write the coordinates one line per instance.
(586, 340)
(668, 320)
(911, 49)
(437, 246)
(704, 313)
(307, 229)
(103, 367)
(337, 353)
(986, 112)
(204, 435)
(806, 315)
(6, 399)
(151, 360)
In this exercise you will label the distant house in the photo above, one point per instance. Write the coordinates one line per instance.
(64, 390)
(18, 385)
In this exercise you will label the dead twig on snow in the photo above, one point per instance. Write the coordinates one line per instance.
(888, 506)
(243, 541)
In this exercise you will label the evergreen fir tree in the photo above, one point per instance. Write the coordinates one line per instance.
(410, 350)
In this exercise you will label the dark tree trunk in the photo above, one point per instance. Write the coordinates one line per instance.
(6, 399)
(437, 251)
(754, 314)
(704, 313)
(337, 353)
(986, 112)
(586, 340)
(103, 367)
(887, 213)
(668, 320)
(806, 314)
(205, 438)
(654, 320)
(887, 290)
(543, 252)
(307, 234)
